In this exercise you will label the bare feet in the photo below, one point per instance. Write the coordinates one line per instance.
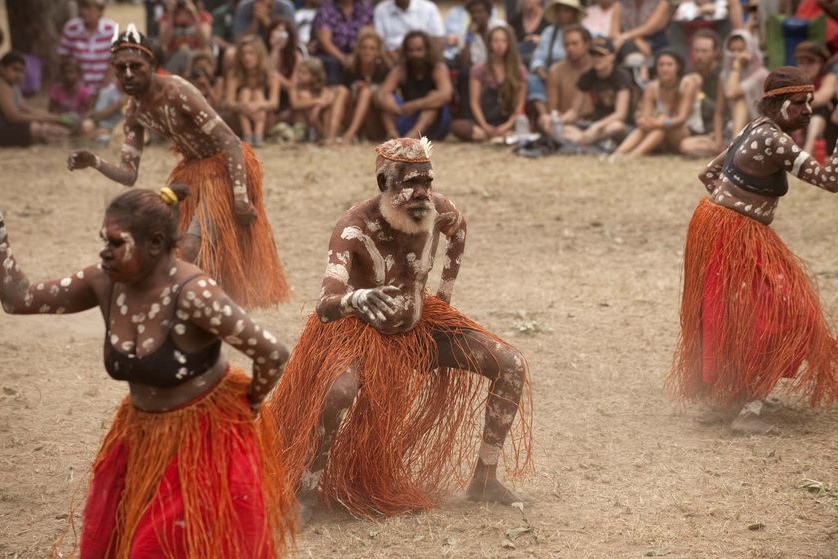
(749, 423)
(485, 487)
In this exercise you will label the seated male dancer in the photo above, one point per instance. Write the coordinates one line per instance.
(377, 403)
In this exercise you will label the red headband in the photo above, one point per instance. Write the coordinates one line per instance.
(808, 88)
(126, 45)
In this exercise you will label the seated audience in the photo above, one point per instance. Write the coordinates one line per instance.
(394, 19)
(253, 17)
(497, 91)
(185, 28)
(252, 89)
(609, 88)
(107, 111)
(563, 77)
(321, 107)
(528, 24)
(336, 28)
(642, 31)
(705, 49)
(560, 14)
(70, 96)
(475, 42)
(743, 74)
(812, 59)
(21, 125)
(415, 96)
(666, 109)
(602, 18)
(365, 74)
(87, 39)
(283, 56)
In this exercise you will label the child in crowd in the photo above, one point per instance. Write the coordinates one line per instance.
(368, 69)
(283, 56)
(253, 89)
(743, 74)
(107, 110)
(70, 97)
(320, 107)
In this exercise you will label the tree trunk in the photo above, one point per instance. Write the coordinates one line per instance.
(35, 29)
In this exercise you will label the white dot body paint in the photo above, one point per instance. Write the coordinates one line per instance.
(809, 99)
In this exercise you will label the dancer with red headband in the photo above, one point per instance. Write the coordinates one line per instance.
(226, 231)
(750, 314)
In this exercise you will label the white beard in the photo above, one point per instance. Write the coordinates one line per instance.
(400, 220)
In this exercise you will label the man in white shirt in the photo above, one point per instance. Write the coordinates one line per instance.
(394, 18)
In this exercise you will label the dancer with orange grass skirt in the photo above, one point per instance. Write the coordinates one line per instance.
(226, 231)
(750, 314)
(379, 402)
(189, 467)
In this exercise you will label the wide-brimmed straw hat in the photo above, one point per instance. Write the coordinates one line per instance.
(550, 12)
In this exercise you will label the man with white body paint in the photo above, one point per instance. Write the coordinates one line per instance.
(750, 315)
(226, 231)
(379, 399)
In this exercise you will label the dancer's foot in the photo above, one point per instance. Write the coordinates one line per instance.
(749, 423)
(491, 491)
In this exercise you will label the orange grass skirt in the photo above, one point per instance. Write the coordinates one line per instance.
(750, 315)
(412, 427)
(242, 258)
(201, 481)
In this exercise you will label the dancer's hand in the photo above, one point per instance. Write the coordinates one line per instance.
(245, 212)
(81, 159)
(376, 304)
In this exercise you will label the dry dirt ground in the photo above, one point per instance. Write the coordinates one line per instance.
(574, 261)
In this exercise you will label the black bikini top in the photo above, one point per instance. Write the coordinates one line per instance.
(775, 184)
(166, 367)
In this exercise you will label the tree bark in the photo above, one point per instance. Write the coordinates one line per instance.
(35, 29)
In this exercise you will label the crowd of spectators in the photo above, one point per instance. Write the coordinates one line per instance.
(630, 77)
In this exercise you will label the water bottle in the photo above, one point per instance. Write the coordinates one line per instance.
(522, 129)
(556, 125)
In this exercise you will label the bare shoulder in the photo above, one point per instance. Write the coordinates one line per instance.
(362, 218)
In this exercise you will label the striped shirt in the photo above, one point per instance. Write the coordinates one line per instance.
(92, 51)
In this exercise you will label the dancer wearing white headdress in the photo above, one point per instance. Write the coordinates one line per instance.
(223, 225)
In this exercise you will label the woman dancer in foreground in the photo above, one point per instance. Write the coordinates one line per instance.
(189, 467)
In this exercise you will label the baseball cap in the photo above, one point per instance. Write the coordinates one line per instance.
(602, 45)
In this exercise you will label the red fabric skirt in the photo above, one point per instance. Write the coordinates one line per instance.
(201, 481)
(750, 316)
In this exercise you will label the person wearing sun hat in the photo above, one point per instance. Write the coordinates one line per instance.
(811, 58)
(550, 49)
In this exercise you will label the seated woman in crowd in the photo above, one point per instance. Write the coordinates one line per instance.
(366, 72)
(69, 96)
(21, 125)
(252, 89)
(283, 56)
(743, 74)
(497, 91)
(320, 107)
(666, 109)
